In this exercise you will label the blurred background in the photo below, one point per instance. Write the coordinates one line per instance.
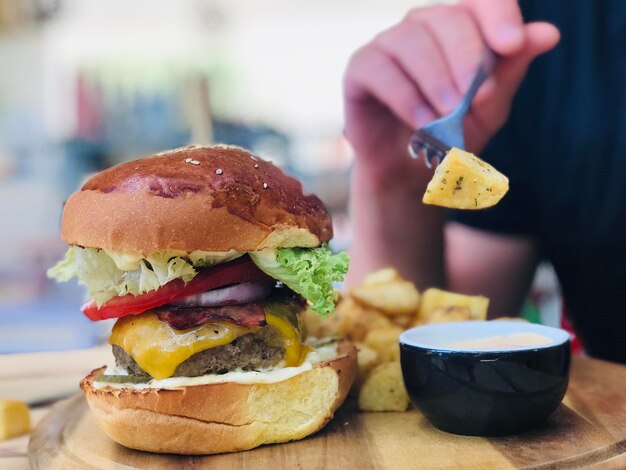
(86, 84)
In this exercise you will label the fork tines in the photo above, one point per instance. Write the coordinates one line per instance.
(430, 146)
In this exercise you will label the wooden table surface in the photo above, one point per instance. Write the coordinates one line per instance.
(588, 430)
(42, 379)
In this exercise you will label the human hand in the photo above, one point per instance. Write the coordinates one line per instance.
(417, 70)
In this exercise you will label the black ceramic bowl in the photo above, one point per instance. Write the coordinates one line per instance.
(483, 392)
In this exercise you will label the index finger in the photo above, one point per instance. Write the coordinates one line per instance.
(500, 22)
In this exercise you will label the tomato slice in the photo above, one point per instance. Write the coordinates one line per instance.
(239, 270)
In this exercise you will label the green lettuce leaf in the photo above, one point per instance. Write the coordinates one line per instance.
(104, 280)
(308, 271)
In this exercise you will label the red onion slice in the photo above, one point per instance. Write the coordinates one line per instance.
(242, 293)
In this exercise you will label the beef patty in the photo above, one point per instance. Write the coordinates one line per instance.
(248, 352)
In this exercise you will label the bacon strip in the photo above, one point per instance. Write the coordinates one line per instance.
(181, 318)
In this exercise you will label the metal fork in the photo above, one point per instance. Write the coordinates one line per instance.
(435, 139)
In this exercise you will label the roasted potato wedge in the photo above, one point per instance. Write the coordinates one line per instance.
(382, 276)
(385, 341)
(464, 181)
(354, 320)
(367, 359)
(404, 321)
(433, 299)
(393, 298)
(448, 314)
(383, 390)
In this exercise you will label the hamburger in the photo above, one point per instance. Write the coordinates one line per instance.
(205, 257)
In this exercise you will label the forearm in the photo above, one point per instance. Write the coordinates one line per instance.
(391, 227)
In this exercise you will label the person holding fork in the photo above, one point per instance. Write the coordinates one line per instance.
(550, 117)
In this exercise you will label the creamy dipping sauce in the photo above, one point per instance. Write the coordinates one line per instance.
(512, 341)
(266, 376)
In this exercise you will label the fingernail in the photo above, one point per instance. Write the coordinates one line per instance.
(422, 116)
(510, 34)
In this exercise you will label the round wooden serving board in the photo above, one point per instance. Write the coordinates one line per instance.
(588, 430)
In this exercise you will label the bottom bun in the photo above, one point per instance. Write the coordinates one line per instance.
(224, 417)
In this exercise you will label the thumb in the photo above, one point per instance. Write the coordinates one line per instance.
(491, 107)
(494, 98)
(539, 38)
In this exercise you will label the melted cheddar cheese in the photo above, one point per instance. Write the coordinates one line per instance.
(159, 349)
(295, 350)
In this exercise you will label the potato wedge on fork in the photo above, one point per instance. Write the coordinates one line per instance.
(464, 181)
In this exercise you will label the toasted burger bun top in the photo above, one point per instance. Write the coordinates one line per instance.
(194, 198)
